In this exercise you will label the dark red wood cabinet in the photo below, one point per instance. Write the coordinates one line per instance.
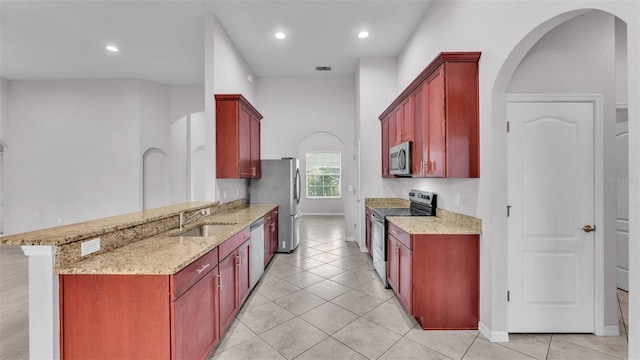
(439, 113)
(141, 316)
(180, 316)
(237, 137)
(270, 235)
(436, 277)
(368, 231)
(234, 281)
(387, 135)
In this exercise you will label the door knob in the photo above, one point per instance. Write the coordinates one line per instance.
(588, 228)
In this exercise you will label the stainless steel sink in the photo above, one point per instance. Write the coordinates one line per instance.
(207, 230)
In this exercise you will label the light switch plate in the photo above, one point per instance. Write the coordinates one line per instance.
(90, 246)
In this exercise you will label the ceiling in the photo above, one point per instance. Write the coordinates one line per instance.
(163, 41)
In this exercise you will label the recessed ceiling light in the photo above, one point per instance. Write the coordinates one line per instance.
(280, 35)
(111, 48)
(363, 34)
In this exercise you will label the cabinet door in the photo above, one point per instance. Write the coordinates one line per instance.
(114, 317)
(268, 231)
(243, 272)
(386, 138)
(397, 126)
(435, 124)
(407, 120)
(420, 134)
(368, 233)
(255, 148)
(392, 262)
(276, 233)
(244, 143)
(228, 295)
(405, 277)
(194, 320)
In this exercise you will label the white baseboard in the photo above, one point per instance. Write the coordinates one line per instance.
(493, 336)
(610, 330)
(349, 238)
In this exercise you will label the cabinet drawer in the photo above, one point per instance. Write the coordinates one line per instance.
(231, 244)
(273, 214)
(400, 235)
(188, 276)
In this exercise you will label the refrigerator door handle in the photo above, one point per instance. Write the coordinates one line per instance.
(298, 185)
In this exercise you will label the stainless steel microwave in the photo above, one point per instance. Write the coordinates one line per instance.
(400, 159)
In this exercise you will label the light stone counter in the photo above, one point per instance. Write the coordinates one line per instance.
(386, 202)
(168, 253)
(66, 234)
(444, 223)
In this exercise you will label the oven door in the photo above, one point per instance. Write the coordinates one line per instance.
(379, 249)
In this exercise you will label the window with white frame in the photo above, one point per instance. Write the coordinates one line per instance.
(323, 174)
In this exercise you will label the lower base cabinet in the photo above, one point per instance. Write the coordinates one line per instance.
(180, 316)
(270, 236)
(194, 321)
(436, 278)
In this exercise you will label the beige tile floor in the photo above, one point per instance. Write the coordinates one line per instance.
(324, 301)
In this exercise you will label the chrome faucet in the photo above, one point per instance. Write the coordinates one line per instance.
(184, 221)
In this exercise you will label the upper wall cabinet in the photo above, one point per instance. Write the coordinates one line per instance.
(237, 138)
(438, 113)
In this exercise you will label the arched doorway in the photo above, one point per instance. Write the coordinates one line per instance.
(547, 33)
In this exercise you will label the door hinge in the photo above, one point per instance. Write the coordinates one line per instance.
(508, 210)
(508, 126)
(508, 296)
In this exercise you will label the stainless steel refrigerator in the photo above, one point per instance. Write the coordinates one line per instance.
(280, 184)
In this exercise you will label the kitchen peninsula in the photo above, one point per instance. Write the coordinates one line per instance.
(143, 243)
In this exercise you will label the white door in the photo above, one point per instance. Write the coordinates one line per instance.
(551, 196)
(622, 221)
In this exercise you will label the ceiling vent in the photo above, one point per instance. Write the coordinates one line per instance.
(323, 68)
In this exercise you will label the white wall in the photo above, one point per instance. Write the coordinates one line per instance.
(294, 108)
(504, 31)
(4, 107)
(154, 134)
(73, 152)
(185, 100)
(226, 72)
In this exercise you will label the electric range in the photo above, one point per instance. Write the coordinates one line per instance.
(422, 203)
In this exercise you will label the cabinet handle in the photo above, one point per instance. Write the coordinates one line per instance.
(238, 260)
(202, 268)
(219, 280)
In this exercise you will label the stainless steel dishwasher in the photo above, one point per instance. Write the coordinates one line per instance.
(256, 252)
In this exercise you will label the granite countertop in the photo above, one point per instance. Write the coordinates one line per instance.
(168, 253)
(386, 203)
(66, 234)
(444, 223)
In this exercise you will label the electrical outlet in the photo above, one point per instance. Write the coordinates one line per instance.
(206, 212)
(59, 221)
(456, 199)
(224, 194)
(90, 246)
